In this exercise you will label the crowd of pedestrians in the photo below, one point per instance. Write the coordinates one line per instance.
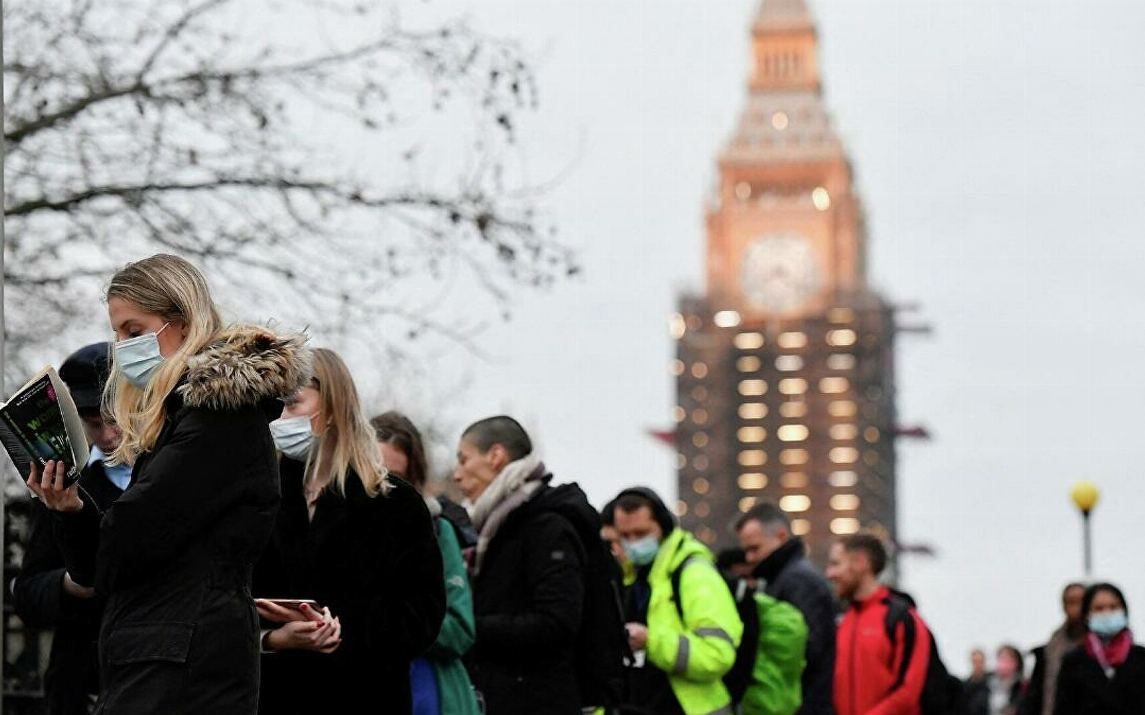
(244, 540)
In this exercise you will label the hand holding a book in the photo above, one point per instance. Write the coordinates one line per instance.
(50, 487)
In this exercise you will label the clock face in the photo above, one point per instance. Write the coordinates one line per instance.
(780, 272)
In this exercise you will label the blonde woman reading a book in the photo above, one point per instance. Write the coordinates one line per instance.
(173, 555)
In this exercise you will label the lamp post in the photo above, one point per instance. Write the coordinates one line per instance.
(1085, 496)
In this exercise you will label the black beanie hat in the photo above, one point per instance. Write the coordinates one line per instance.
(660, 511)
(85, 372)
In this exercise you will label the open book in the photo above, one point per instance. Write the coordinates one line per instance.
(40, 422)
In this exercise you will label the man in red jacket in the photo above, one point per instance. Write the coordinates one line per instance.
(880, 664)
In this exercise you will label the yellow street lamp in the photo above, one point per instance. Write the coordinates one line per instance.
(1085, 496)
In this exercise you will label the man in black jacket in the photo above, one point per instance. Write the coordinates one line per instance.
(781, 568)
(527, 572)
(44, 596)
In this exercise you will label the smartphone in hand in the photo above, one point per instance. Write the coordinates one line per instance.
(294, 604)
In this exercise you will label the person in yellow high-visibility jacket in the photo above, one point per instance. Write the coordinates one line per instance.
(680, 662)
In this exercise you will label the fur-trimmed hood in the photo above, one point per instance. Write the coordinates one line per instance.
(247, 364)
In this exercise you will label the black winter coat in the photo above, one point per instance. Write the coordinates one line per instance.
(528, 598)
(39, 599)
(790, 577)
(173, 555)
(1033, 700)
(375, 563)
(1083, 689)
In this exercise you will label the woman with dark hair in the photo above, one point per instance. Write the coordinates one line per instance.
(1106, 674)
(438, 681)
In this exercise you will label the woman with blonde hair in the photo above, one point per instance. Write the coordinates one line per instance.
(359, 543)
(173, 555)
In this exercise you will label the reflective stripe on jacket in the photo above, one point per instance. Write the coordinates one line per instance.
(697, 653)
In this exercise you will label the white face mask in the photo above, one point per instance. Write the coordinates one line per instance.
(292, 436)
(139, 357)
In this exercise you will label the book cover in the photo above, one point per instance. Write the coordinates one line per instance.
(42, 419)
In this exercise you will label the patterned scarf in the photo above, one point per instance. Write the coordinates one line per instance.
(508, 490)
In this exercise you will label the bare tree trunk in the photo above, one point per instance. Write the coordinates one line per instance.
(3, 392)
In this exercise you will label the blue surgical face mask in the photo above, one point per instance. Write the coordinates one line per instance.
(139, 357)
(292, 436)
(642, 551)
(1109, 623)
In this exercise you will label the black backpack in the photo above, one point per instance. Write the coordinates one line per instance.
(458, 518)
(942, 693)
(602, 643)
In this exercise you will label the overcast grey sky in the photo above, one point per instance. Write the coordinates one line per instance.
(999, 150)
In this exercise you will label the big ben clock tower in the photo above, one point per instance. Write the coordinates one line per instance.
(785, 365)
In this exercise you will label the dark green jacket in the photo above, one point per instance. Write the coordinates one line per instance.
(455, 692)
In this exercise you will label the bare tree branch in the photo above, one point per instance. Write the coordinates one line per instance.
(136, 126)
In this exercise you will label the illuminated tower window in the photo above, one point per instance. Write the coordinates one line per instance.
(753, 411)
(793, 433)
(844, 455)
(843, 431)
(794, 456)
(844, 525)
(792, 341)
(793, 386)
(753, 458)
(841, 338)
(843, 480)
(842, 408)
(752, 480)
(751, 435)
(748, 363)
(788, 363)
(844, 502)
(726, 319)
(841, 361)
(834, 385)
(841, 315)
(794, 480)
(793, 410)
(795, 503)
(753, 388)
(749, 341)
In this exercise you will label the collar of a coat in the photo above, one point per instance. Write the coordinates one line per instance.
(773, 565)
(245, 366)
(675, 550)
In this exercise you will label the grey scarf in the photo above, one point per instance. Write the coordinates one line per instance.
(510, 489)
